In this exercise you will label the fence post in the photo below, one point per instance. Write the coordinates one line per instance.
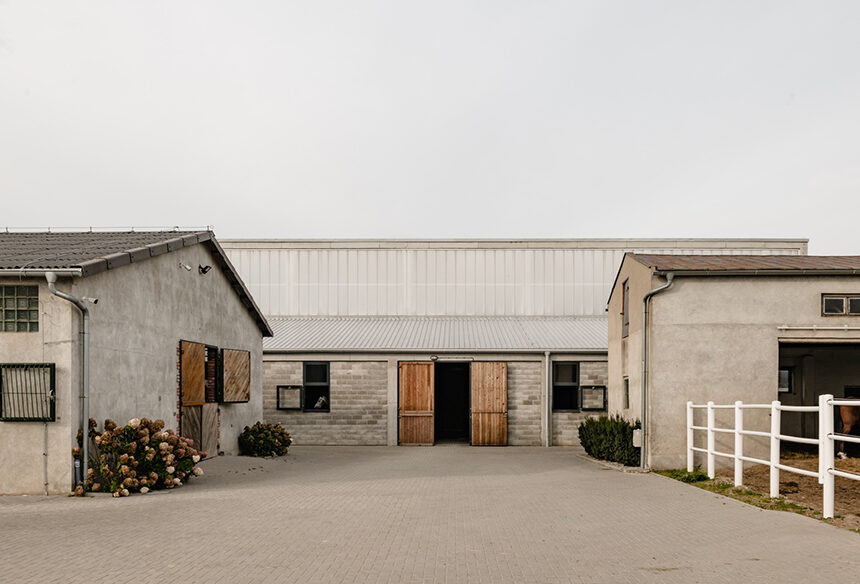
(825, 452)
(711, 445)
(690, 437)
(775, 429)
(739, 444)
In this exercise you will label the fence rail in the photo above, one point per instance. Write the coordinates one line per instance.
(826, 442)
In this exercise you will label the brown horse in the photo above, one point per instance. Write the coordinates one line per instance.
(850, 415)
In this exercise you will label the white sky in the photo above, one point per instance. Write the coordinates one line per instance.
(435, 118)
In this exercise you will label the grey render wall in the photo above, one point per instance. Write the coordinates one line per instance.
(358, 403)
(144, 310)
(22, 469)
(717, 338)
(565, 425)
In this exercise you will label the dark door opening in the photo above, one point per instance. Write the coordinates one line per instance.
(452, 402)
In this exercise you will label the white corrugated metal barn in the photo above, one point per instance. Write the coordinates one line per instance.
(487, 342)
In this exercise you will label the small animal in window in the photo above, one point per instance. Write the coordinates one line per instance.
(322, 403)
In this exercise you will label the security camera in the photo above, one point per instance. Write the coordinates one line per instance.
(88, 299)
(184, 265)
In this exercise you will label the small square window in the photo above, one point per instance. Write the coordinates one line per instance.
(289, 397)
(854, 305)
(834, 305)
(19, 309)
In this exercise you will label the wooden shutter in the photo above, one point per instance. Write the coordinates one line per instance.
(416, 403)
(237, 375)
(192, 373)
(489, 403)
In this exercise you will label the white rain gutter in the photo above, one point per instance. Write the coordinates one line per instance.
(643, 458)
(51, 277)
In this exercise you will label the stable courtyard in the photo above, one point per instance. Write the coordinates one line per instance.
(401, 515)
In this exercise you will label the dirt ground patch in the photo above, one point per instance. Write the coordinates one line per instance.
(803, 491)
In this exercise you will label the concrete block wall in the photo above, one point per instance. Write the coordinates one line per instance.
(524, 403)
(359, 403)
(565, 425)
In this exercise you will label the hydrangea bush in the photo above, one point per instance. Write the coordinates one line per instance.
(264, 440)
(139, 457)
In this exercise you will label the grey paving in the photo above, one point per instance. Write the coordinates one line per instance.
(442, 514)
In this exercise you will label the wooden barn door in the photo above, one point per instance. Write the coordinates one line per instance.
(489, 403)
(415, 413)
(192, 390)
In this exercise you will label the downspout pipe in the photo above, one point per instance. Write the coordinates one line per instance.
(548, 398)
(643, 458)
(51, 277)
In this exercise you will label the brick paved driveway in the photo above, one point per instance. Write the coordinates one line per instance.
(441, 514)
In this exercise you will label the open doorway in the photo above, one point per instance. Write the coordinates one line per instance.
(451, 402)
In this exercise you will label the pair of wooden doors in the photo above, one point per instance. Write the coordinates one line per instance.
(489, 403)
(209, 376)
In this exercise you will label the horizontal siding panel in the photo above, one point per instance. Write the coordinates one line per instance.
(467, 279)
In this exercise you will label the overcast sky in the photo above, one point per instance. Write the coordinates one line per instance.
(435, 119)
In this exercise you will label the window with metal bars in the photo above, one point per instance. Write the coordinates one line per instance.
(27, 392)
(19, 309)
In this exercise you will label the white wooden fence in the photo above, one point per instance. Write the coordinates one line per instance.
(826, 442)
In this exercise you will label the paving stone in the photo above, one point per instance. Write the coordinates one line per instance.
(417, 515)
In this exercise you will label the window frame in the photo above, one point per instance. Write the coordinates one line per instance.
(625, 309)
(301, 391)
(846, 304)
(314, 385)
(21, 316)
(790, 371)
(567, 386)
(625, 388)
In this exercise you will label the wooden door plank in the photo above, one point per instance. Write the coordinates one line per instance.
(192, 373)
(489, 403)
(415, 403)
(209, 430)
(237, 376)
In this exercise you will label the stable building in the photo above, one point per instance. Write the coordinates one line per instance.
(120, 325)
(487, 342)
(727, 328)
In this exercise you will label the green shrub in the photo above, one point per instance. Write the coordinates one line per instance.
(139, 457)
(610, 438)
(681, 474)
(264, 440)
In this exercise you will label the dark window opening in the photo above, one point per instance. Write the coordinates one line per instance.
(451, 401)
(565, 386)
(840, 304)
(316, 395)
(27, 392)
(214, 385)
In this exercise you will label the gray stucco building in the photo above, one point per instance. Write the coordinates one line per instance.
(174, 335)
(727, 328)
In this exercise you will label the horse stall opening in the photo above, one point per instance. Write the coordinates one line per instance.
(452, 402)
(809, 369)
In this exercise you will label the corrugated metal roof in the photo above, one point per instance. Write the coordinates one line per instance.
(748, 262)
(436, 333)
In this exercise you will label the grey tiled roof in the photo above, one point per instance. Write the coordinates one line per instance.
(751, 263)
(437, 333)
(43, 250)
(93, 252)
